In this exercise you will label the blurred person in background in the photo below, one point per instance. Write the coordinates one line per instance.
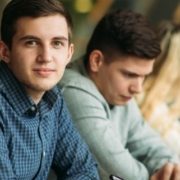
(160, 100)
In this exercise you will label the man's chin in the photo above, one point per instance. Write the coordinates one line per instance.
(120, 101)
(123, 102)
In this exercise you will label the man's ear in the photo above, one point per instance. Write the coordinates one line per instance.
(4, 52)
(70, 52)
(96, 59)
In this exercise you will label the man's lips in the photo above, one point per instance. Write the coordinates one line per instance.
(44, 71)
(126, 98)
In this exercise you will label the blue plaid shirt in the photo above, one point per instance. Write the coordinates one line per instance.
(34, 138)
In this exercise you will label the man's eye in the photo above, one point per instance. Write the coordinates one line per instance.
(128, 75)
(31, 43)
(57, 44)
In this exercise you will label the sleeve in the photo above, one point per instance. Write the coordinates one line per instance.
(91, 119)
(146, 144)
(72, 159)
(6, 171)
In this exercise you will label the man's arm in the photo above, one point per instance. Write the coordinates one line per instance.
(97, 129)
(6, 171)
(72, 160)
(146, 144)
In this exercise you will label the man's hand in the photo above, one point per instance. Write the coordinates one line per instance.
(168, 172)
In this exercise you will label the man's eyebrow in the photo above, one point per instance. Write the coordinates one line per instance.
(29, 37)
(130, 72)
(62, 38)
(133, 73)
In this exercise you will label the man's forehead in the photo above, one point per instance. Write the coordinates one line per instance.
(133, 65)
(55, 26)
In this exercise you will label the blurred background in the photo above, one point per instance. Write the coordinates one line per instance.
(160, 101)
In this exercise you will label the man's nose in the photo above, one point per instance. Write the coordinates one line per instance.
(44, 54)
(137, 86)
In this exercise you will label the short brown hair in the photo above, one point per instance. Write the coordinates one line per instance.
(124, 32)
(16, 9)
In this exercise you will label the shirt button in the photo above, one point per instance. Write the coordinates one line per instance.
(32, 111)
(33, 108)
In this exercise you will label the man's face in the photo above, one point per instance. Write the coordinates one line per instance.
(40, 51)
(120, 80)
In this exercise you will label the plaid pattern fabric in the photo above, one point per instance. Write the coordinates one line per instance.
(35, 137)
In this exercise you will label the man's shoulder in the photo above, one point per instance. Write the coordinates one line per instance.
(75, 79)
(77, 82)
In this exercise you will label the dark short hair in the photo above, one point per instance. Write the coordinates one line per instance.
(124, 32)
(16, 9)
